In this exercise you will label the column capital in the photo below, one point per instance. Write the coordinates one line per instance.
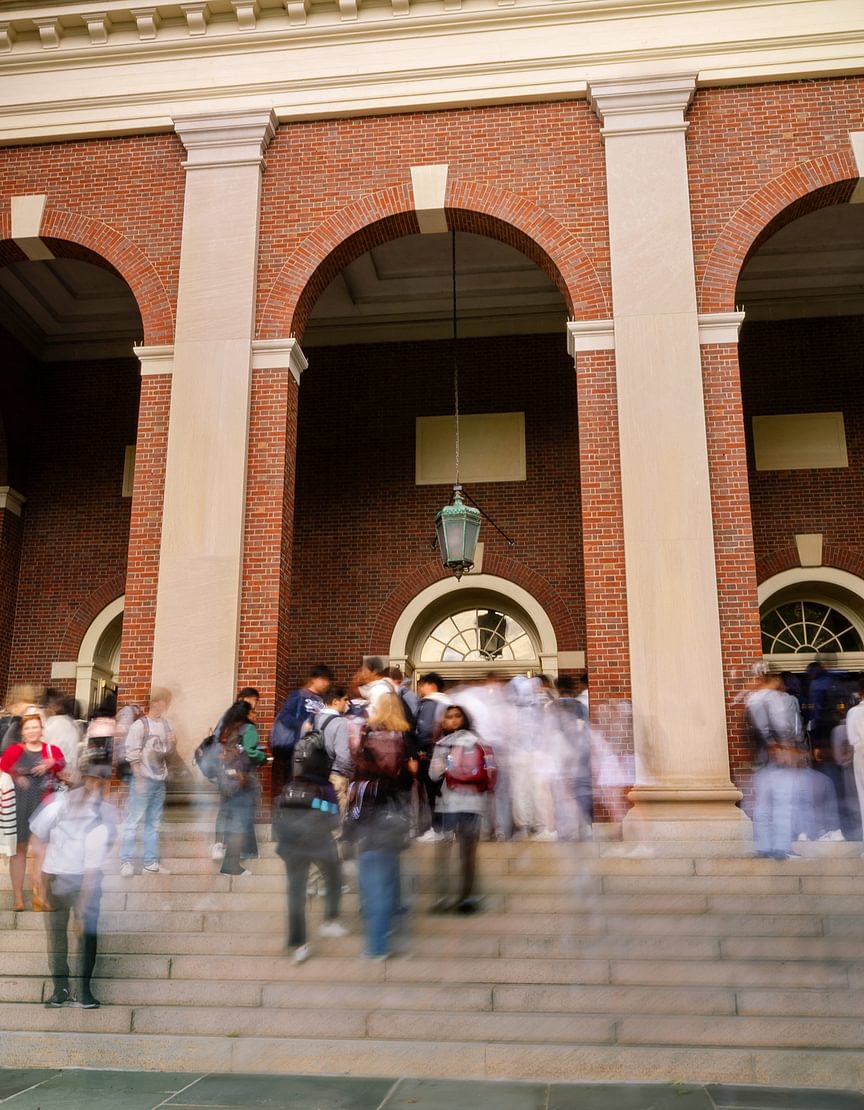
(155, 360)
(642, 105)
(279, 354)
(226, 139)
(11, 500)
(590, 335)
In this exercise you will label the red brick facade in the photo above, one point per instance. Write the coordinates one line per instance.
(327, 577)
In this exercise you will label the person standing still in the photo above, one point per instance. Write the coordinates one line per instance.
(149, 743)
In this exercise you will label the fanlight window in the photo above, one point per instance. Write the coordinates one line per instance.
(808, 626)
(478, 635)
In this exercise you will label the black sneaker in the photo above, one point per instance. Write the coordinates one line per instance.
(87, 1002)
(60, 997)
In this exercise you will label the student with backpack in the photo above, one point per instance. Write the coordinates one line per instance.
(378, 819)
(465, 767)
(231, 762)
(149, 743)
(307, 814)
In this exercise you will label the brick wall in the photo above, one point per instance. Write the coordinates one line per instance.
(805, 366)
(71, 423)
(362, 527)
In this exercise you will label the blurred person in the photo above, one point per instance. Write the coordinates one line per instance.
(582, 695)
(295, 717)
(34, 767)
(530, 759)
(576, 772)
(125, 718)
(378, 819)
(855, 736)
(402, 686)
(777, 734)
(307, 815)
(235, 759)
(62, 730)
(78, 827)
(430, 709)
(248, 696)
(334, 728)
(850, 811)
(18, 699)
(462, 765)
(99, 734)
(149, 743)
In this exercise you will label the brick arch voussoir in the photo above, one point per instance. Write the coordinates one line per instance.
(390, 214)
(500, 566)
(817, 183)
(87, 612)
(72, 235)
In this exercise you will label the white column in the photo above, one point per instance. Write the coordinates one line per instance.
(198, 599)
(683, 787)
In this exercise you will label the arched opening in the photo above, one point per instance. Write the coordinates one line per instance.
(69, 400)
(467, 631)
(812, 615)
(99, 658)
(375, 438)
(800, 363)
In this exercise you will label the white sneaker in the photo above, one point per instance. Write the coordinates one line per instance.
(333, 929)
(803, 837)
(302, 954)
(156, 869)
(833, 834)
(126, 870)
(545, 837)
(217, 851)
(242, 874)
(430, 837)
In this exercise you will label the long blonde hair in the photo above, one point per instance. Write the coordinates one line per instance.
(388, 715)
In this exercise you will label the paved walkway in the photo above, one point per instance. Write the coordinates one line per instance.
(75, 1089)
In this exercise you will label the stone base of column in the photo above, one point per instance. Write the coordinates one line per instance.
(686, 814)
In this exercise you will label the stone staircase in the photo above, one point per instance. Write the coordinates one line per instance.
(590, 962)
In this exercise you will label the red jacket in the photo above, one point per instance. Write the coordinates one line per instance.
(13, 753)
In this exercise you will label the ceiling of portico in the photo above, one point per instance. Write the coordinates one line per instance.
(66, 309)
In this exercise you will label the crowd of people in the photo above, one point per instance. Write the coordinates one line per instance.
(360, 772)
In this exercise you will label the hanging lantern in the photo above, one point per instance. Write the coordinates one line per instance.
(458, 529)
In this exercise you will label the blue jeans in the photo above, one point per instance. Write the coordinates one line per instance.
(237, 816)
(146, 802)
(379, 880)
(777, 790)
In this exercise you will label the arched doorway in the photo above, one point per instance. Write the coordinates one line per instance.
(812, 614)
(99, 658)
(375, 414)
(465, 631)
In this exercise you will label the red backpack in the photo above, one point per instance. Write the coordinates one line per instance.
(381, 754)
(473, 766)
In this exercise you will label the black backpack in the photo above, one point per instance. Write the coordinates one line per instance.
(309, 742)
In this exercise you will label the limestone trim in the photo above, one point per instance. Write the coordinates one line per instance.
(590, 335)
(227, 139)
(809, 545)
(27, 212)
(642, 106)
(279, 354)
(89, 669)
(429, 184)
(155, 360)
(719, 327)
(11, 500)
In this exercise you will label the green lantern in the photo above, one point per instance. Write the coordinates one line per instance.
(458, 528)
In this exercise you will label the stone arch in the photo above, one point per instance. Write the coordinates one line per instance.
(786, 558)
(509, 570)
(817, 183)
(71, 235)
(469, 206)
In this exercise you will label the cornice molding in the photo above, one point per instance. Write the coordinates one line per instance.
(646, 105)
(227, 139)
(155, 360)
(719, 327)
(590, 335)
(279, 354)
